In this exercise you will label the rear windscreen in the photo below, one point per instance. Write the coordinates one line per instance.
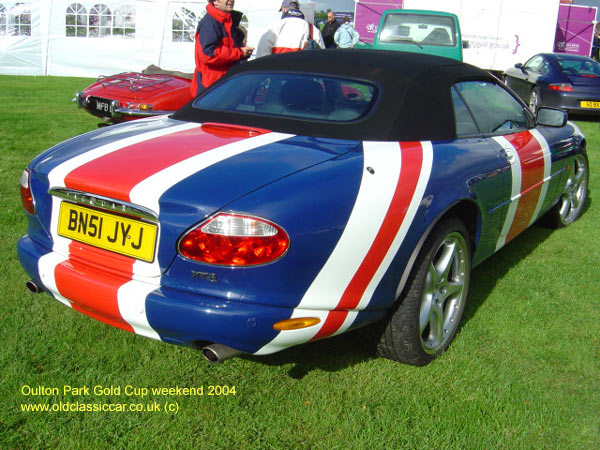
(579, 67)
(422, 29)
(289, 95)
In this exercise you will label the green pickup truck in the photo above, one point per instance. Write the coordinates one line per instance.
(418, 31)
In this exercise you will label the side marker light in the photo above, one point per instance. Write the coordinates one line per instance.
(296, 324)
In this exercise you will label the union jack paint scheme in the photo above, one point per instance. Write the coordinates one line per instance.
(274, 210)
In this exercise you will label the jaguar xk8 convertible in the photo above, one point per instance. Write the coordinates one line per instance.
(274, 209)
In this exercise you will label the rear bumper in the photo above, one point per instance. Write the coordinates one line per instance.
(136, 113)
(115, 110)
(146, 308)
(570, 101)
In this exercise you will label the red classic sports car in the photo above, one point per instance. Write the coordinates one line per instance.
(133, 95)
(273, 210)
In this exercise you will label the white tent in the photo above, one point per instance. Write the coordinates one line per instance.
(88, 38)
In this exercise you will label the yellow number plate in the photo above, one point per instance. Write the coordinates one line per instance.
(111, 232)
(588, 104)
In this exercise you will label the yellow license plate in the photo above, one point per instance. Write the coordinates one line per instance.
(111, 232)
(588, 104)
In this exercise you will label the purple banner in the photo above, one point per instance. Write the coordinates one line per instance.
(368, 14)
(575, 29)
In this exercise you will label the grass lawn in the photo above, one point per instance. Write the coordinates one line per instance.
(523, 372)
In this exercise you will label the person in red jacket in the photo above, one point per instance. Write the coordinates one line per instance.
(219, 44)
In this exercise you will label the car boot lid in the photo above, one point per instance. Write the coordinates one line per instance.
(181, 172)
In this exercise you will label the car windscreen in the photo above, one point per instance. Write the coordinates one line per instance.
(292, 95)
(581, 67)
(422, 29)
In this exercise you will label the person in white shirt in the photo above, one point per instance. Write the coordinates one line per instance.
(289, 34)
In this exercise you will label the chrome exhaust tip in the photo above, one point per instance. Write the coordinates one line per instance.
(33, 287)
(216, 353)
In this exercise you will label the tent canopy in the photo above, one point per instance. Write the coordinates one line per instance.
(88, 38)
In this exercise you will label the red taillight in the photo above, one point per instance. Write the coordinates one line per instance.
(235, 240)
(565, 87)
(26, 195)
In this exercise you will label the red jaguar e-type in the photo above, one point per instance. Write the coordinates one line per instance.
(133, 95)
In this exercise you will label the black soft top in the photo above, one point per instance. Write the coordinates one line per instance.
(415, 97)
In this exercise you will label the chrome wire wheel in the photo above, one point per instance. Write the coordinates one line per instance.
(444, 293)
(575, 192)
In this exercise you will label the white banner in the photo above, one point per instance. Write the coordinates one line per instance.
(500, 32)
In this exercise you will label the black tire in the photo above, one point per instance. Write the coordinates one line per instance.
(570, 205)
(426, 318)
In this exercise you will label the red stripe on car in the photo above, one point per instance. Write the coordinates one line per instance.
(115, 174)
(93, 290)
(531, 156)
(412, 160)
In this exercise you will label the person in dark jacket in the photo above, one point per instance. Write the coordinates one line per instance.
(329, 30)
(596, 43)
(219, 44)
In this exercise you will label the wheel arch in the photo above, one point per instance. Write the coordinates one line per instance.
(465, 210)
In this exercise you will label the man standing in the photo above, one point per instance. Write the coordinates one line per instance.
(329, 30)
(289, 34)
(219, 44)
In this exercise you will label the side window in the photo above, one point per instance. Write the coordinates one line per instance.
(494, 109)
(100, 21)
(124, 22)
(3, 29)
(76, 21)
(183, 24)
(19, 20)
(534, 63)
(465, 124)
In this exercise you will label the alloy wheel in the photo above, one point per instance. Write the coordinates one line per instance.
(444, 293)
(575, 192)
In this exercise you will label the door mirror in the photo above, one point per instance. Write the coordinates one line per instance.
(551, 117)
(521, 68)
